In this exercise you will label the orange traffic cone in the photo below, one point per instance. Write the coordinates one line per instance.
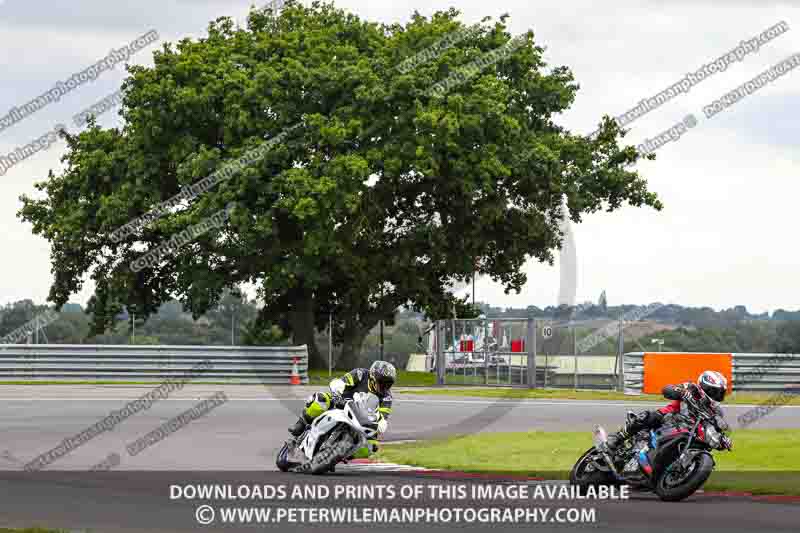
(294, 379)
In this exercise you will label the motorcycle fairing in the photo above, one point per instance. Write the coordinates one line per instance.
(326, 422)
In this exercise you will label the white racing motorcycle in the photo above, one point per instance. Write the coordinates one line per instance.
(336, 435)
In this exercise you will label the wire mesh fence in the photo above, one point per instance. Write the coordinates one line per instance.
(528, 352)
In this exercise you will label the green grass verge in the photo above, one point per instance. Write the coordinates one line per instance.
(404, 377)
(42, 382)
(762, 461)
(568, 394)
(423, 383)
(33, 530)
(154, 383)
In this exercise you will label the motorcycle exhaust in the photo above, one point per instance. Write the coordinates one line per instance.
(600, 437)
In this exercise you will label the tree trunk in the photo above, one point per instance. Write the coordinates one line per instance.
(352, 342)
(301, 320)
(356, 330)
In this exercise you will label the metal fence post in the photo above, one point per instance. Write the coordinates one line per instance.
(485, 334)
(330, 344)
(575, 357)
(621, 356)
(546, 364)
(440, 362)
(531, 341)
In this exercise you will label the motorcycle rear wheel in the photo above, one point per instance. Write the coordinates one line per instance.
(702, 466)
(583, 478)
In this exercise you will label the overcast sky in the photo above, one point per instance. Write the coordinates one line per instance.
(727, 235)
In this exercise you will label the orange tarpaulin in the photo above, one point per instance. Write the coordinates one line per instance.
(661, 369)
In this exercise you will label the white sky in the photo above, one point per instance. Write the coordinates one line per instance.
(729, 186)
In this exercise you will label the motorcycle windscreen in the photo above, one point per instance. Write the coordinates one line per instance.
(365, 407)
(599, 435)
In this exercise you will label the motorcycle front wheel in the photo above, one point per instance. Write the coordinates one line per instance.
(329, 455)
(677, 485)
(282, 461)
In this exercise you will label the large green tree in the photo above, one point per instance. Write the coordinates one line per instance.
(378, 193)
(787, 338)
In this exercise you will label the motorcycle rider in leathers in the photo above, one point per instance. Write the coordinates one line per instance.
(378, 380)
(711, 386)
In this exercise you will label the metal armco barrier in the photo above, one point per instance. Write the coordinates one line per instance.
(751, 371)
(633, 372)
(84, 362)
(767, 372)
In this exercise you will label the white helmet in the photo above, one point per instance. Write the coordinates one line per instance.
(713, 384)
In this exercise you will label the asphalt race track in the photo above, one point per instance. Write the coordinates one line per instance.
(244, 433)
(237, 441)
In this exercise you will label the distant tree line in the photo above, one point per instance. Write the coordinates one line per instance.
(236, 320)
(692, 329)
(697, 317)
(231, 321)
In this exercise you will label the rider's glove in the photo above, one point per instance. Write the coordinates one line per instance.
(383, 425)
(722, 424)
(338, 386)
(688, 394)
(726, 442)
(336, 400)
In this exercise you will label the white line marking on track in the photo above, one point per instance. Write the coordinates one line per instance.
(380, 467)
(523, 403)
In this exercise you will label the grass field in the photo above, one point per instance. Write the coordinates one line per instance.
(569, 394)
(762, 461)
(404, 377)
(33, 530)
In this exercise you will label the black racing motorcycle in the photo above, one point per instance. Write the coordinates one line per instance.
(673, 461)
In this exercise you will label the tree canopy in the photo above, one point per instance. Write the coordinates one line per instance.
(370, 190)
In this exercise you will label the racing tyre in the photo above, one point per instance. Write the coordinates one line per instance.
(282, 461)
(327, 459)
(676, 486)
(328, 456)
(585, 473)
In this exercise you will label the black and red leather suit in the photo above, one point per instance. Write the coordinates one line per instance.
(654, 419)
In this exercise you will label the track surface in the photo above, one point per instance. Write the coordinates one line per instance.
(245, 433)
(243, 436)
